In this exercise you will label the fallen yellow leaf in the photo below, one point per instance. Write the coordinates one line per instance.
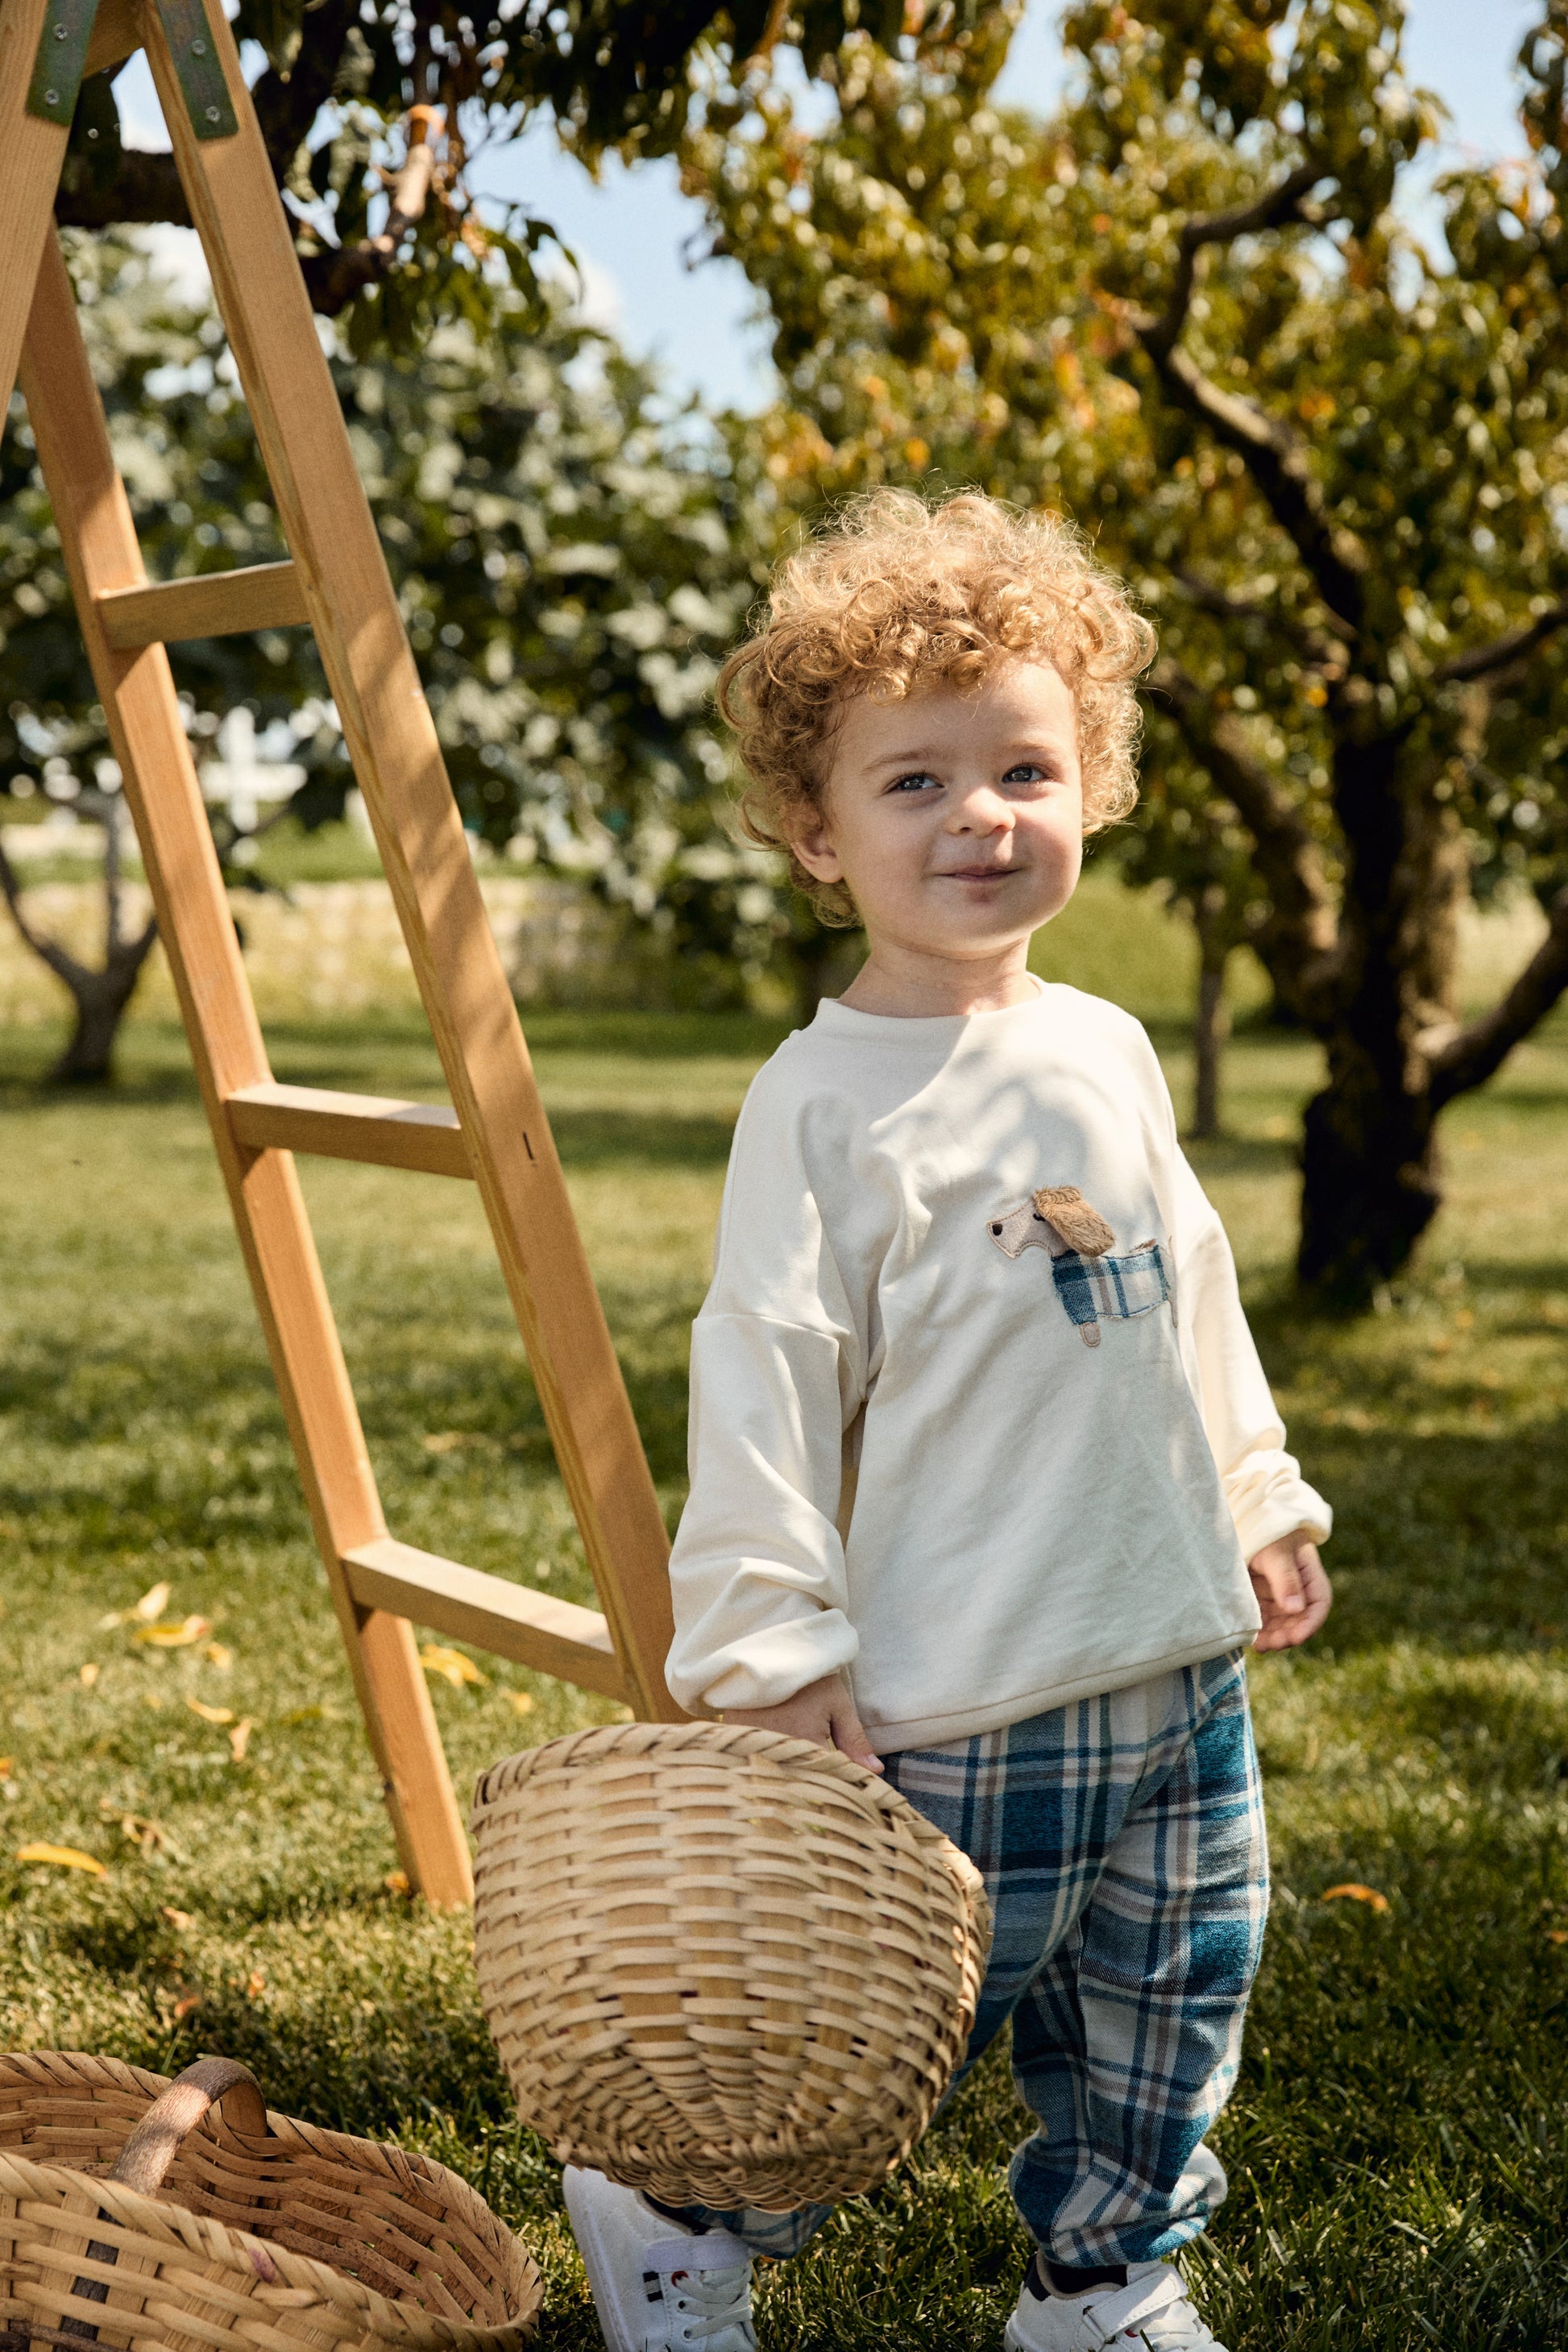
(178, 1920)
(145, 1612)
(451, 1664)
(218, 1655)
(5, 1763)
(522, 1701)
(175, 1637)
(64, 1857)
(1557, 1934)
(1357, 1894)
(186, 2003)
(396, 1883)
(239, 1738)
(210, 1714)
(255, 1985)
(87, 1675)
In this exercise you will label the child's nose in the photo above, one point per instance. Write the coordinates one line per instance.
(982, 809)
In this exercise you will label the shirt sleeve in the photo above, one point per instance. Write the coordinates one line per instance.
(1263, 1484)
(757, 1572)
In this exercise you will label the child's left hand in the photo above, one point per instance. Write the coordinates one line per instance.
(1292, 1590)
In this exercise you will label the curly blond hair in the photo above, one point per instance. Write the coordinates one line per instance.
(899, 595)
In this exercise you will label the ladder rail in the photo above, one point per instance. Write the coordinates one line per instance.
(31, 154)
(99, 539)
(391, 738)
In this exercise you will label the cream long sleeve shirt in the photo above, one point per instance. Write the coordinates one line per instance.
(932, 1443)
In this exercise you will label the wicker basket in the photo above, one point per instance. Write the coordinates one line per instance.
(722, 1966)
(254, 2234)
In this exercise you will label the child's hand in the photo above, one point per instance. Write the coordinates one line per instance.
(1292, 1590)
(823, 1711)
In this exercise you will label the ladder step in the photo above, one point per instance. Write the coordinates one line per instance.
(377, 1129)
(555, 1637)
(218, 604)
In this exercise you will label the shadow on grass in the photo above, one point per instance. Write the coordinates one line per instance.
(1445, 1539)
(601, 1139)
(318, 2060)
(1244, 1155)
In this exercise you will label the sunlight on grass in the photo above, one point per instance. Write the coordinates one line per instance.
(1396, 2143)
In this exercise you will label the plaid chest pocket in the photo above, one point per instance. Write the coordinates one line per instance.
(1106, 1289)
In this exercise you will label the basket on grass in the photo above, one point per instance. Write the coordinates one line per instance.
(721, 1965)
(132, 2213)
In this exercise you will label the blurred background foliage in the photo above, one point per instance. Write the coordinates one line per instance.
(572, 559)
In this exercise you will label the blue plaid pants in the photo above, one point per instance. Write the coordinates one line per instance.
(1123, 1846)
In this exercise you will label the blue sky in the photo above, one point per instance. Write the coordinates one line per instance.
(629, 232)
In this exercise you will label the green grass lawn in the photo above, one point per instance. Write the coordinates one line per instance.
(1398, 2144)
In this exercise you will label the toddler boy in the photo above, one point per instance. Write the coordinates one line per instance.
(987, 1486)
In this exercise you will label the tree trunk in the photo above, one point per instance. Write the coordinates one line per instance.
(1211, 1026)
(1370, 1176)
(99, 997)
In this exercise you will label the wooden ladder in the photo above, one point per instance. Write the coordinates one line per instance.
(497, 1136)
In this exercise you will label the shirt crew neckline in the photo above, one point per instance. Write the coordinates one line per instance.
(919, 1028)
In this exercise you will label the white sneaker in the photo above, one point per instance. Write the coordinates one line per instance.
(1151, 2310)
(656, 2287)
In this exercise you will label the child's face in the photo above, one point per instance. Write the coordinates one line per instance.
(955, 819)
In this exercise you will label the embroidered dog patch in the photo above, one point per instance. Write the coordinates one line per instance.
(1094, 1287)
(1055, 1218)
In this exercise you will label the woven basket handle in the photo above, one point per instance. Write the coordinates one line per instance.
(156, 2140)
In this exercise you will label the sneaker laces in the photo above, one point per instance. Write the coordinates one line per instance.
(1150, 2312)
(706, 2303)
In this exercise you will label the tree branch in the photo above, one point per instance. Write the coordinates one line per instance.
(1229, 605)
(1300, 941)
(1513, 646)
(145, 188)
(286, 104)
(123, 959)
(1468, 1059)
(1270, 210)
(64, 966)
(1276, 456)
(335, 277)
(1279, 461)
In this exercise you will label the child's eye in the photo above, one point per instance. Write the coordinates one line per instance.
(919, 779)
(1028, 771)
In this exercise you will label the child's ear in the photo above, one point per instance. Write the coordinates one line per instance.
(815, 852)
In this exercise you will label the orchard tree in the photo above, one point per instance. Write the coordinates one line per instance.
(572, 559)
(1188, 313)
